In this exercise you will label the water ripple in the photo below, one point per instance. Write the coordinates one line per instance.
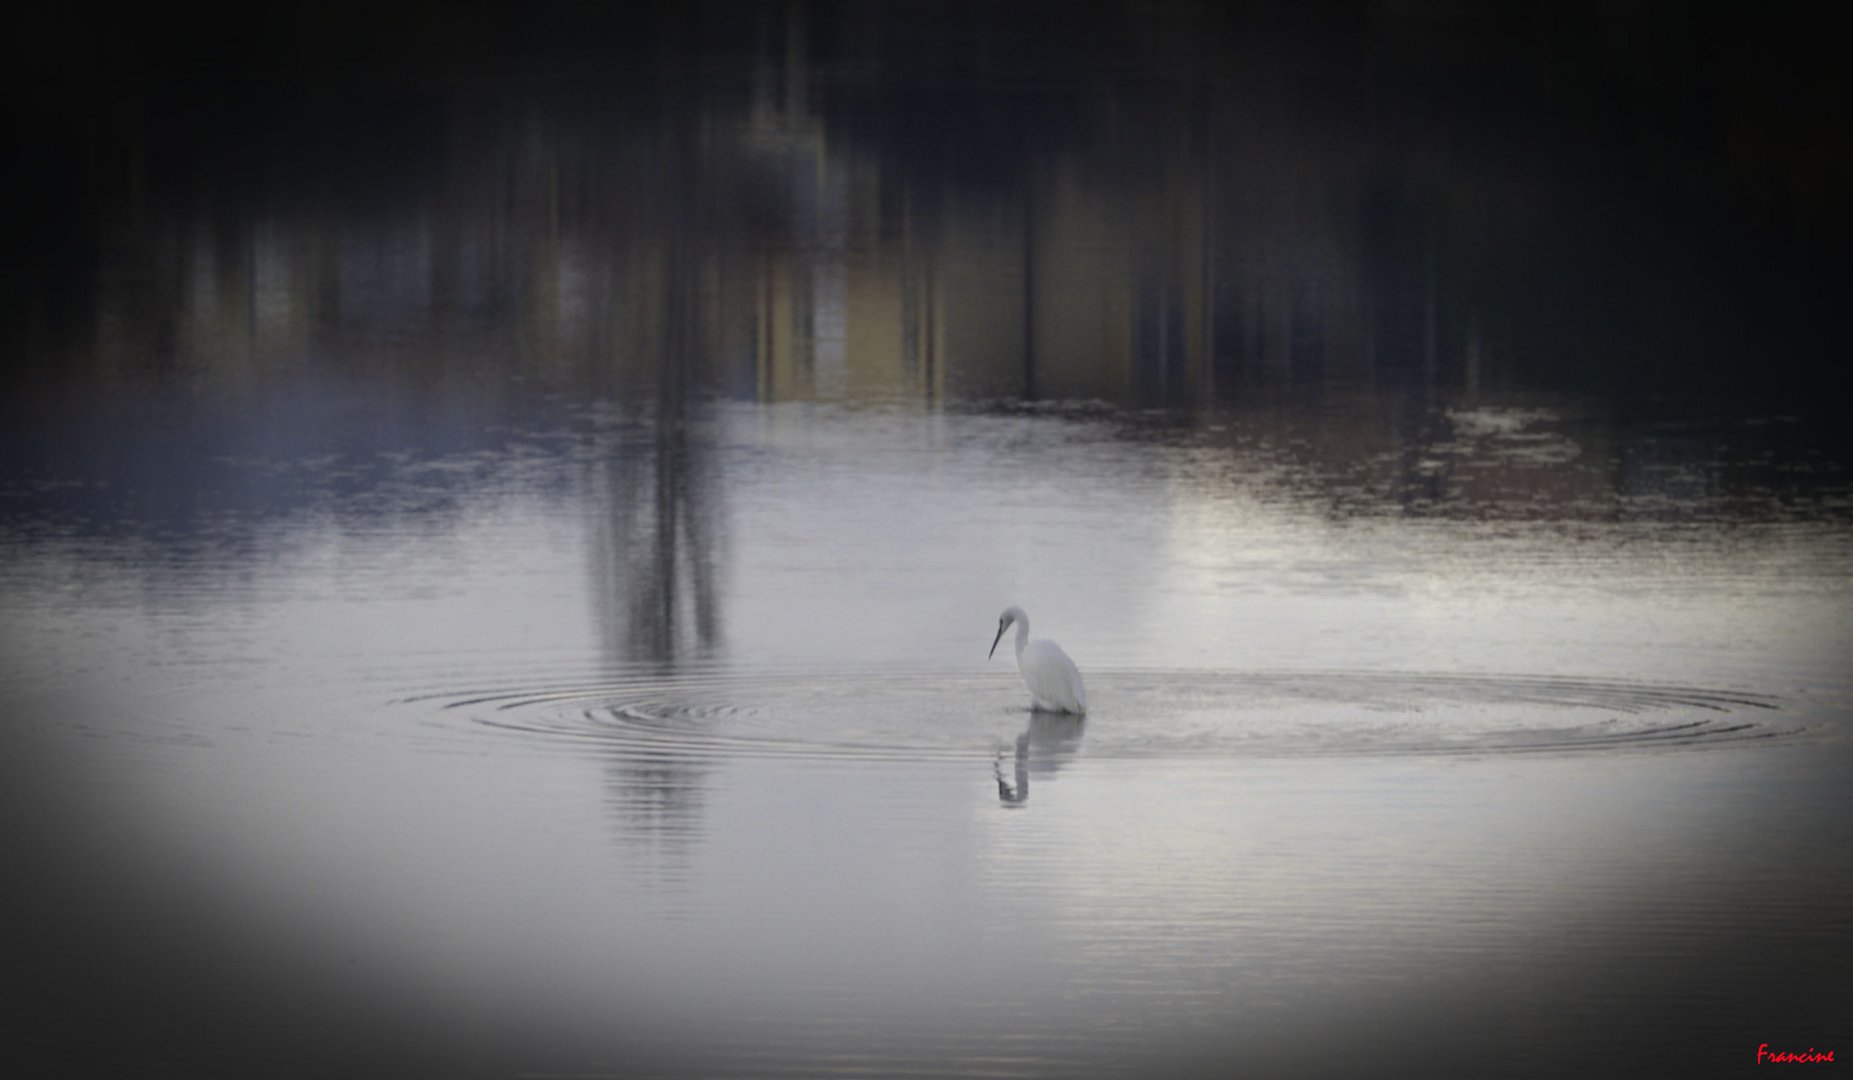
(1261, 714)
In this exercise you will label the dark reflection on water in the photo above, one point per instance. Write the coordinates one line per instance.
(655, 563)
(657, 804)
(433, 446)
(1143, 205)
(1044, 744)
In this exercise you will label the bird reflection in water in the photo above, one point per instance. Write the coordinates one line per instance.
(1043, 747)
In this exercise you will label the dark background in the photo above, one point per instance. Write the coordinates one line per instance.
(1633, 194)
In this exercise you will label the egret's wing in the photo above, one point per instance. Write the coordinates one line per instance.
(1052, 677)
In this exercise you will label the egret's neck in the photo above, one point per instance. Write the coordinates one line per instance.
(1022, 638)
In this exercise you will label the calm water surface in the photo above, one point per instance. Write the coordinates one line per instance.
(515, 602)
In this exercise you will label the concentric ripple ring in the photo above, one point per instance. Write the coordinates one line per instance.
(1134, 713)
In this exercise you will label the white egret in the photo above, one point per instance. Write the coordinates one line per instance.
(1054, 684)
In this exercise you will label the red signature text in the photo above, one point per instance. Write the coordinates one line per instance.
(1809, 1056)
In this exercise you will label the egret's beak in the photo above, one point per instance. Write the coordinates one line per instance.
(994, 641)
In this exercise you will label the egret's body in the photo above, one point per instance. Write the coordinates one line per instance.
(1053, 681)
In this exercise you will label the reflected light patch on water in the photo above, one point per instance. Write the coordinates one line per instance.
(435, 740)
(725, 871)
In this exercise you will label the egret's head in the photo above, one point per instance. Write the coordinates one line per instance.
(1004, 621)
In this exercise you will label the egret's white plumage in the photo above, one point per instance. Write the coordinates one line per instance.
(1054, 683)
